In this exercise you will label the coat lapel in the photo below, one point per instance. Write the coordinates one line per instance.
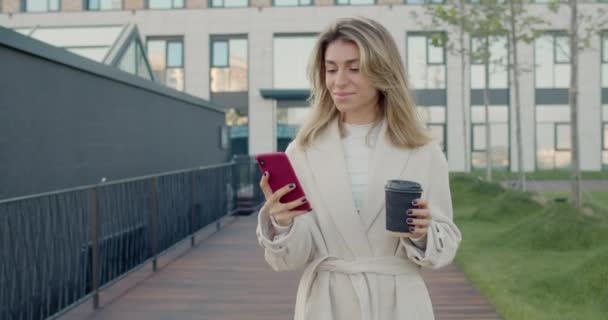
(387, 162)
(331, 179)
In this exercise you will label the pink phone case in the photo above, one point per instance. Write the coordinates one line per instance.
(281, 174)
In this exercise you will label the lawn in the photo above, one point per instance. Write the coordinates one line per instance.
(502, 175)
(532, 260)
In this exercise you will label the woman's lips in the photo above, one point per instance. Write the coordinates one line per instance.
(343, 95)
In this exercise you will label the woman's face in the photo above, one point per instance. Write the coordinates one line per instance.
(352, 93)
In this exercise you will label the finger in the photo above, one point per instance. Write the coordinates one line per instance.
(286, 217)
(283, 191)
(295, 203)
(418, 232)
(419, 213)
(420, 223)
(264, 185)
(420, 203)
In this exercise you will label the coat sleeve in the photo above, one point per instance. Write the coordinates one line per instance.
(443, 236)
(291, 251)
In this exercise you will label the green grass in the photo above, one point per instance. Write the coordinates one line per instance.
(533, 261)
(596, 198)
(502, 175)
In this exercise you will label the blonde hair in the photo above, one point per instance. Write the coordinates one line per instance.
(380, 62)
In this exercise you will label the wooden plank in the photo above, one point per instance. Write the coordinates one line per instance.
(225, 277)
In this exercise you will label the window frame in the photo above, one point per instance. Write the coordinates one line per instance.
(167, 40)
(211, 6)
(556, 35)
(226, 38)
(24, 7)
(312, 3)
(87, 8)
(556, 146)
(374, 2)
(147, 6)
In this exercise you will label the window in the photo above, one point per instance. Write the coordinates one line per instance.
(434, 118)
(292, 3)
(499, 76)
(605, 59)
(229, 69)
(229, 3)
(79, 40)
(426, 61)
(552, 60)
(165, 4)
(103, 5)
(424, 1)
(499, 136)
(41, 5)
(166, 56)
(354, 2)
(133, 61)
(553, 137)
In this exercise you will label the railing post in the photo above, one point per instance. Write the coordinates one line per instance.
(193, 206)
(154, 221)
(95, 247)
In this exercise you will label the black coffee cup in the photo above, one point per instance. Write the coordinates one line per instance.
(399, 197)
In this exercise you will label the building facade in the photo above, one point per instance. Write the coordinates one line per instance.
(251, 56)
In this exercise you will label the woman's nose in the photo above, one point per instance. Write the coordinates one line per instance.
(341, 78)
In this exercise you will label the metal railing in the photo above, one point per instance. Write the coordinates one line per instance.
(61, 248)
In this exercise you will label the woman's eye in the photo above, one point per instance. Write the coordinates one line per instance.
(331, 71)
(354, 69)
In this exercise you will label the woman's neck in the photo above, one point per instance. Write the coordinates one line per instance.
(361, 117)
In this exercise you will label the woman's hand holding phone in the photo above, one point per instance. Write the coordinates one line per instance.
(282, 213)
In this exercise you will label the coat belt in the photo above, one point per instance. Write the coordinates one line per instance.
(357, 270)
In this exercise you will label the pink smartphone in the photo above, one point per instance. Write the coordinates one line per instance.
(281, 174)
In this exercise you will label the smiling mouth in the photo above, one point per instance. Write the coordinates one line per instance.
(342, 95)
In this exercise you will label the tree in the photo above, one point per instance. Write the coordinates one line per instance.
(510, 19)
(484, 21)
(580, 39)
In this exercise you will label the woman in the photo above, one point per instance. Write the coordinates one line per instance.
(362, 132)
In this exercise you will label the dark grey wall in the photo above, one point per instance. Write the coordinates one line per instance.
(69, 121)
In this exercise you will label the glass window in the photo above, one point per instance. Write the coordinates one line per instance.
(103, 5)
(128, 60)
(499, 76)
(93, 53)
(434, 119)
(229, 3)
(166, 56)
(605, 60)
(551, 58)
(562, 134)
(229, 70)
(562, 49)
(290, 57)
(220, 54)
(41, 5)
(143, 70)
(292, 3)
(552, 137)
(423, 1)
(425, 63)
(354, 2)
(499, 136)
(435, 52)
(165, 4)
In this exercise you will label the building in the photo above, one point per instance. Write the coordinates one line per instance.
(251, 56)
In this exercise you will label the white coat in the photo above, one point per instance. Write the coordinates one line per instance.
(353, 268)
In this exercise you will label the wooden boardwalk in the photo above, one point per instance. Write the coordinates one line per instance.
(226, 278)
